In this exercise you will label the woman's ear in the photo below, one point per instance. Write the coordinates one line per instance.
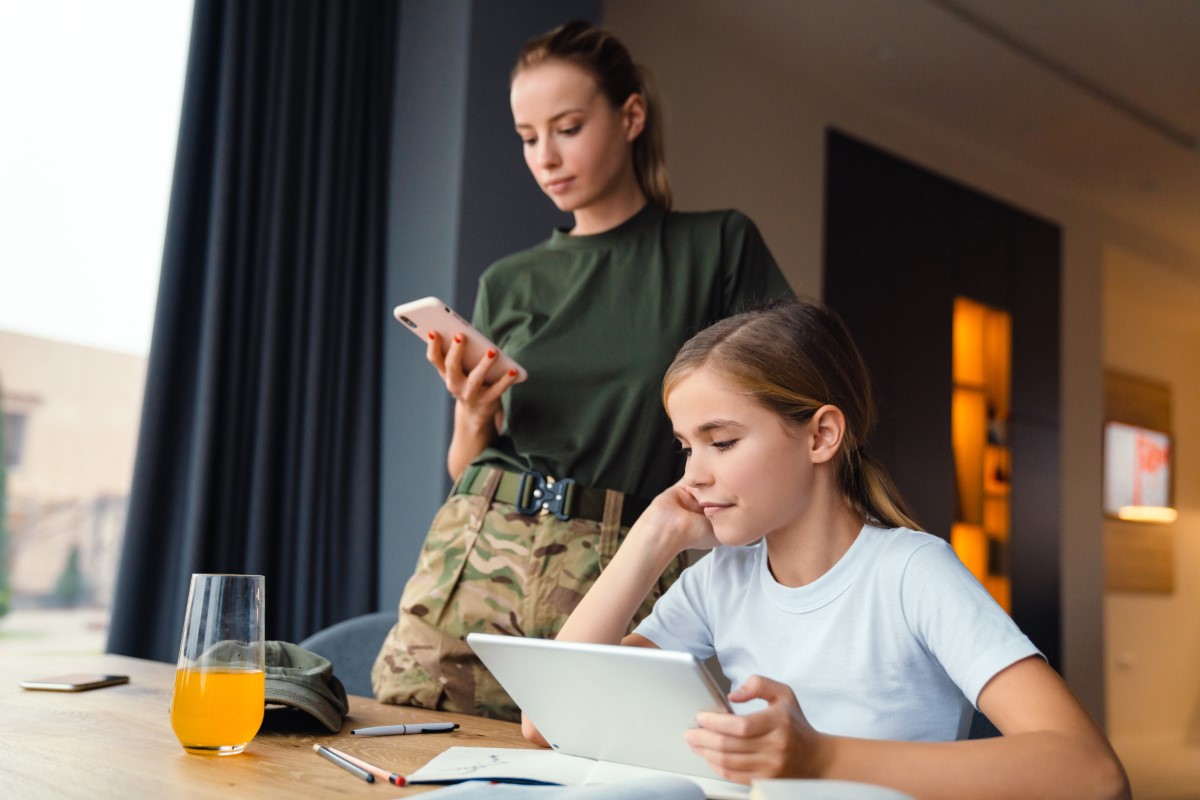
(633, 116)
(828, 429)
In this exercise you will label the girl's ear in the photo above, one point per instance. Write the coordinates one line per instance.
(633, 116)
(828, 428)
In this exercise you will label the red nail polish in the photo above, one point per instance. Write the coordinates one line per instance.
(512, 373)
(431, 334)
(458, 338)
(491, 354)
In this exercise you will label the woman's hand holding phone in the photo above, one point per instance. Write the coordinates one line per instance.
(466, 360)
(457, 349)
(476, 398)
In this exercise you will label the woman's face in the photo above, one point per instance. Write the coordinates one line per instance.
(578, 147)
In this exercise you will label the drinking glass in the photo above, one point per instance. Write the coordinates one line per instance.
(217, 706)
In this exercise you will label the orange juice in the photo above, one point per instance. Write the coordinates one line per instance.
(217, 710)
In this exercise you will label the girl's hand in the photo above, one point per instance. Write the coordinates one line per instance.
(773, 743)
(675, 518)
(531, 733)
(477, 399)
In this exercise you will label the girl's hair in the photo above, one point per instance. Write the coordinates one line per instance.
(601, 55)
(794, 357)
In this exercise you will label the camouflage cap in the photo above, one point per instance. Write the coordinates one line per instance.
(302, 679)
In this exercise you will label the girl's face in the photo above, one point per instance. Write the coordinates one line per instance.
(578, 147)
(752, 475)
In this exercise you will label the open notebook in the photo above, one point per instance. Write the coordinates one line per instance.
(583, 779)
(513, 766)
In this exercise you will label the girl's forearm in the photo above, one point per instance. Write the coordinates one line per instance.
(604, 613)
(1043, 764)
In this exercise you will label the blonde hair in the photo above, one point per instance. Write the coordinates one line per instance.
(602, 56)
(794, 357)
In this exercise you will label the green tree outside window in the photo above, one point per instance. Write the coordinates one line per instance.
(4, 590)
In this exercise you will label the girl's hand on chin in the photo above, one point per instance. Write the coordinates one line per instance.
(676, 515)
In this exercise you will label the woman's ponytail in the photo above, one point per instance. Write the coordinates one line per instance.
(649, 149)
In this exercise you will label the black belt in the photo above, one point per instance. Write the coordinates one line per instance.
(533, 493)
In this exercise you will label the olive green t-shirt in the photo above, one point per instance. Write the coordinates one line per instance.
(596, 321)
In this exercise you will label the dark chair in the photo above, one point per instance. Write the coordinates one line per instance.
(352, 645)
(982, 727)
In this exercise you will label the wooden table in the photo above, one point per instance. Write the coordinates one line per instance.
(118, 742)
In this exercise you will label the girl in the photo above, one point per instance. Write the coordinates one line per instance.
(594, 314)
(857, 643)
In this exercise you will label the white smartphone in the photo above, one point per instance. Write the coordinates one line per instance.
(431, 314)
(76, 682)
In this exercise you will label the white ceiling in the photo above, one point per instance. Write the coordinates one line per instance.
(1101, 97)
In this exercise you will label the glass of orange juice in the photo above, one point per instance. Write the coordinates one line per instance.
(217, 706)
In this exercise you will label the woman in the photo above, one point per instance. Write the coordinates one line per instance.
(550, 472)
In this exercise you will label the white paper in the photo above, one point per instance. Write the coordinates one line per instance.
(798, 789)
(659, 787)
(467, 763)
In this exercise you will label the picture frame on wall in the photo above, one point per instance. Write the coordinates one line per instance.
(1138, 473)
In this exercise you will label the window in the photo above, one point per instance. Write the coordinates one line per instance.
(14, 440)
(92, 97)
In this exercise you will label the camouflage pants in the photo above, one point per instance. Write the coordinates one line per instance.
(485, 567)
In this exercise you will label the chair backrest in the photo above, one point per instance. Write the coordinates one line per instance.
(982, 727)
(352, 645)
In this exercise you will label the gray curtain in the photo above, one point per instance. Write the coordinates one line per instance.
(259, 443)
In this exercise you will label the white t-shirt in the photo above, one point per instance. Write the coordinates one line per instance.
(894, 642)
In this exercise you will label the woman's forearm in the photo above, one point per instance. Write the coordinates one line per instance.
(471, 436)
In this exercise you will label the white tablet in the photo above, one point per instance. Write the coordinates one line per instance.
(625, 704)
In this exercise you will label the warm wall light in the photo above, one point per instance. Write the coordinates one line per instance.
(970, 543)
(979, 411)
(997, 360)
(1147, 513)
(968, 343)
(968, 434)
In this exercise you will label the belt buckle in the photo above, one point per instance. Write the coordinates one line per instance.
(538, 494)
